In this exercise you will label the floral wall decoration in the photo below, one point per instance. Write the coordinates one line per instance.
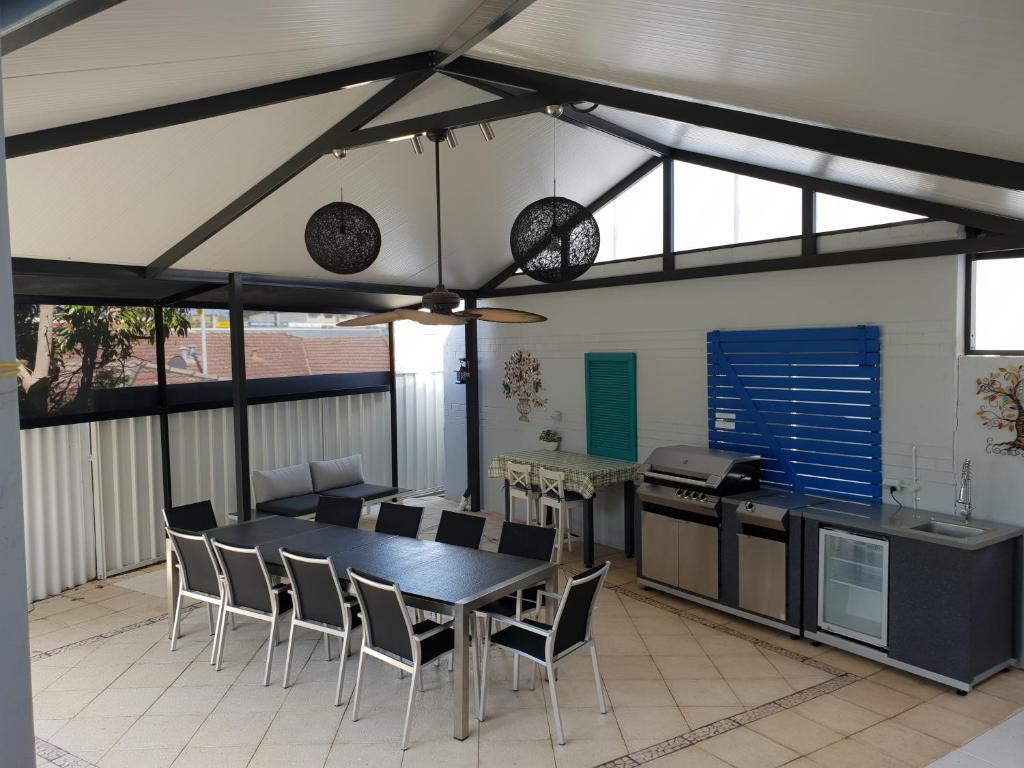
(522, 383)
(1001, 394)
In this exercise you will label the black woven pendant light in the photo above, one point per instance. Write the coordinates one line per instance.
(555, 239)
(342, 237)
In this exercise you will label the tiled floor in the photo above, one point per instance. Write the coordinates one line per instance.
(687, 686)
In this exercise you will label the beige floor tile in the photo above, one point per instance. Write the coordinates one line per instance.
(59, 705)
(841, 716)
(696, 667)
(136, 758)
(119, 702)
(942, 723)
(619, 645)
(243, 699)
(650, 724)
(87, 678)
(904, 744)
(91, 733)
(1006, 685)
(188, 701)
(574, 694)
(442, 750)
(912, 685)
(853, 754)
(698, 717)
(877, 698)
(611, 625)
(691, 757)
(703, 693)
(744, 748)
(753, 693)
(977, 704)
(745, 666)
(348, 755)
(848, 662)
(588, 722)
(294, 756)
(124, 654)
(503, 754)
(153, 731)
(44, 729)
(621, 668)
(144, 675)
(581, 752)
(639, 693)
(316, 727)
(795, 732)
(673, 645)
(233, 730)
(214, 757)
(666, 624)
(516, 725)
(719, 644)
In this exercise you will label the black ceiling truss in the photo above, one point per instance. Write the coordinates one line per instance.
(486, 19)
(213, 106)
(39, 18)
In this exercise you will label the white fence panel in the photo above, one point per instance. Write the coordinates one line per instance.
(60, 534)
(360, 424)
(286, 433)
(203, 459)
(420, 398)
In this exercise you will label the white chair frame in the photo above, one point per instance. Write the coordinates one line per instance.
(229, 608)
(520, 487)
(554, 482)
(184, 592)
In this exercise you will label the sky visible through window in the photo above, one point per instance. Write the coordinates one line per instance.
(995, 304)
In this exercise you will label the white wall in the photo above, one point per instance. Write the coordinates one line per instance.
(455, 476)
(914, 302)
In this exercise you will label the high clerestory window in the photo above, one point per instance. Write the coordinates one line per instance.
(836, 213)
(993, 307)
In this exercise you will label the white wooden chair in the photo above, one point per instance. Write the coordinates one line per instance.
(519, 487)
(553, 496)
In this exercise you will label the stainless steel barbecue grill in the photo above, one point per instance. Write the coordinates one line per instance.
(695, 479)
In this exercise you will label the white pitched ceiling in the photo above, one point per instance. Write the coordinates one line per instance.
(940, 72)
(127, 200)
(146, 53)
(484, 186)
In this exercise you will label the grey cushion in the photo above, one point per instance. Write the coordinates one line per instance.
(361, 491)
(270, 484)
(336, 473)
(293, 506)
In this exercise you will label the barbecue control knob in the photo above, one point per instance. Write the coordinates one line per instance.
(703, 497)
(749, 506)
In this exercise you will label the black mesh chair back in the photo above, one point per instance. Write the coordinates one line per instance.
(461, 530)
(315, 588)
(191, 518)
(246, 577)
(572, 622)
(398, 519)
(336, 510)
(386, 623)
(198, 567)
(527, 541)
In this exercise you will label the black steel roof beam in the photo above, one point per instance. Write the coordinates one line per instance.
(923, 158)
(991, 245)
(486, 19)
(40, 19)
(213, 106)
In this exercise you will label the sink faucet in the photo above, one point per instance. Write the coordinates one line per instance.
(963, 507)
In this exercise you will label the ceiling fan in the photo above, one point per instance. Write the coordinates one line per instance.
(441, 303)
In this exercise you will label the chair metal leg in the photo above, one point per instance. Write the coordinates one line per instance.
(515, 672)
(327, 645)
(341, 672)
(597, 681)
(218, 634)
(560, 535)
(483, 671)
(177, 622)
(554, 704)
(232, 622)
(270, 652)
(533, 677)
(288, 655)
(220, 648)
(355, 693)
(209, 617)
(408, 708)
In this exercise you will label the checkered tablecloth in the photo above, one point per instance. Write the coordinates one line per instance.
(583, 473)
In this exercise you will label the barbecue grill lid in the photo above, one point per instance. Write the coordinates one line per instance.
(692, 461)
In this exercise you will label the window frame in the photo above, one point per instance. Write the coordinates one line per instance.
(970, 260)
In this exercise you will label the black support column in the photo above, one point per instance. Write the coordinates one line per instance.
(239, 398)
(393, 383)
(808, 234)
(160, 331)
(473, 414)
(668, 214)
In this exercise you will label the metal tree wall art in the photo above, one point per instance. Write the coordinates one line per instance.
(523, 384)
(1001, 394)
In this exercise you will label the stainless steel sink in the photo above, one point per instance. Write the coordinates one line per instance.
(954, 530)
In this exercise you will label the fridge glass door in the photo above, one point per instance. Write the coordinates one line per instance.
(853, 586)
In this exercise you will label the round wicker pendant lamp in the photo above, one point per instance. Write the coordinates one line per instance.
(341, 237)
(554, 239)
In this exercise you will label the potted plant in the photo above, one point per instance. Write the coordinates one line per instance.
(550, 440)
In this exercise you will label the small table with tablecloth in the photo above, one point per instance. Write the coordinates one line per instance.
(584, 474)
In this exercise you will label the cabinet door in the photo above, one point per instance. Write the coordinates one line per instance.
(698, 558)
(660, 542)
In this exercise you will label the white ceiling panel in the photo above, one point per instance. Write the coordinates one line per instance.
(127, 200)
(484, 186)
(438, 94)
(940, 72)
(770, 154)
(147, 53)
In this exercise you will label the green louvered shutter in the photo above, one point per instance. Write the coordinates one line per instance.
(611, 404)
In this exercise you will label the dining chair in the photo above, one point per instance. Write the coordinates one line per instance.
(198, 579)
(517, 476)
(551, 644)
(320, 604)
(191, 518)
(249, 592)
(554, 497)
(337, 510)
(391, 637)
(460, 529)
(398, 519)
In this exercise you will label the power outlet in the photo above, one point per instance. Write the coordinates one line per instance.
(900, 484)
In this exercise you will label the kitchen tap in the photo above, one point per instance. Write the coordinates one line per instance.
(963, 507)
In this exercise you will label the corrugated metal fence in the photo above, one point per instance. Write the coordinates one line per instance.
(92, 492)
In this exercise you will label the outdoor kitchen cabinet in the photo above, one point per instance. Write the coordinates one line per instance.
(679, 552)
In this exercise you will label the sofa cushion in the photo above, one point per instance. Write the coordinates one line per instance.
(291, 506)
(336, 473)
(271, 484)
(366, 491)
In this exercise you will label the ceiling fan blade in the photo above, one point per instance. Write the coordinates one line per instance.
(378, 318)
(431, 318)
(502, 315)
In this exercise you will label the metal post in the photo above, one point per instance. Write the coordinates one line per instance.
(668, 214)
(808, 235)
(473, 413)
(160, 331)
(393, 383)
(239, 399)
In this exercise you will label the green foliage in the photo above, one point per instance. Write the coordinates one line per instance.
(550, 436)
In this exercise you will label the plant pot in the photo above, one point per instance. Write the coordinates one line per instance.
(546, 446)
(523, 406)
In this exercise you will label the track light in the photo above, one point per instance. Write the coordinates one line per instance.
(417, 145)
(339, 153)
(450, 138)
(487, 131)
(554, 110)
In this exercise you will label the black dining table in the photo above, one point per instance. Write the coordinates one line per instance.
(444, 578)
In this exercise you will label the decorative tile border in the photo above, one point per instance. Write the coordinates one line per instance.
(57, 756)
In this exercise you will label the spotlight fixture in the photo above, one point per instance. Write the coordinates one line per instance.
(487, 131)
(450, 138)
(339, 153)
(417, 145)
(554, 110)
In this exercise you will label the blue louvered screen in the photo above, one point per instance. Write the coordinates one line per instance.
(611, 404)
(808, 400)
